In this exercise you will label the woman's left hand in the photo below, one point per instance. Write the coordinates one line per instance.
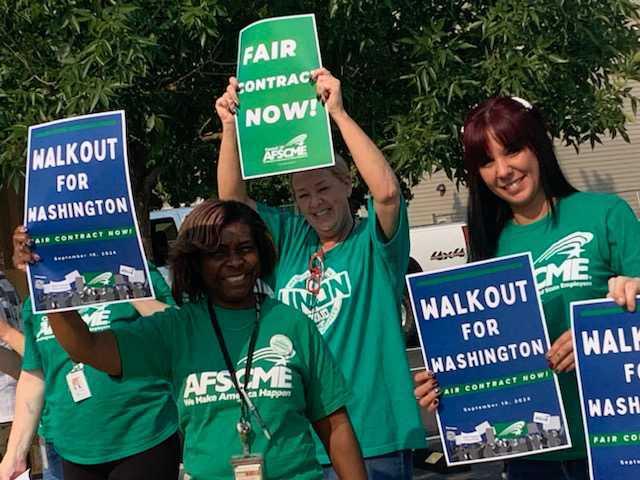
(329, 90)
(623, 291)
(560, 355)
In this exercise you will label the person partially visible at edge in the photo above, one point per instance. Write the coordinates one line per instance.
(347, 275)
(11, 351)
(520, 201)
(123, 429)
(11, 343)
(228, 331)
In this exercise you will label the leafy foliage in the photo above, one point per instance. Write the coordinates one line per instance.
(572, 57)
(410, 71)
(60, 58)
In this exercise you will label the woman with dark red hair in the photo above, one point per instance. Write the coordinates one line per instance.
(584, 246)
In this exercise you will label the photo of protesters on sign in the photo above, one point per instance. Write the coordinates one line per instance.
(484, 339)
(80, 216)
(607, 346)
(282, 127)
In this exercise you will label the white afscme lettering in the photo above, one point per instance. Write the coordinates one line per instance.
(571, 270)
(192, 385)
(571, 267)
(285, 153)
(208, 382)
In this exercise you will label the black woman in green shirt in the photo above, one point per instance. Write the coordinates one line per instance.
(251, 376)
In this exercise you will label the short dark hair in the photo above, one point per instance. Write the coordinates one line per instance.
(516, 126)
(200, 234)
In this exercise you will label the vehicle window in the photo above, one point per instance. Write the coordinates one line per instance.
(163, 235)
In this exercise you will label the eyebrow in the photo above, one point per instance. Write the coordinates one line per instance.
(319, 183)
(241, 244)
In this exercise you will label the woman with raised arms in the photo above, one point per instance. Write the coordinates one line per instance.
(347, 275)
(584, 246)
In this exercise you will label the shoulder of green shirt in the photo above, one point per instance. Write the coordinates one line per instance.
(591, 200)
(272, 305)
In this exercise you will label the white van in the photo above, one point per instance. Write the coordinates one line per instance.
(432, 247)
(439, 246)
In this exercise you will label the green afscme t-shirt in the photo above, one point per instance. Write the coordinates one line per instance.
(593, 237)
(294, 382)
(121, 418)
(357, 311)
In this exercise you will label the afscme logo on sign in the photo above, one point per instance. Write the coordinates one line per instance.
(294, 149)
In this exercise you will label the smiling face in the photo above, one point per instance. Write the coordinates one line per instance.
(515, 178)
(323, 198)
(230, 272)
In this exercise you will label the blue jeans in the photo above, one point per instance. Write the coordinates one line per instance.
(560, 470)
(54, 464)
(390, 466)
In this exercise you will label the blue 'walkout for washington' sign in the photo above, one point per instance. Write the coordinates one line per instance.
(483, 335)
(607, 346)
(80, 215)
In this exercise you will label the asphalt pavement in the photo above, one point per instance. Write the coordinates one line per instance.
(482, 471)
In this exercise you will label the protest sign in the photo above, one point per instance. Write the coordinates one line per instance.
(483, 335)
(281, 125)
(80, 215)
(606, 342)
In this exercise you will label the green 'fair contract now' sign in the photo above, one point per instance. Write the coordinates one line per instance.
(281, 125)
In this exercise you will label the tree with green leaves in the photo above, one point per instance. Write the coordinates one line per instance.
(410, 69)
(573, 58)
(151, 58)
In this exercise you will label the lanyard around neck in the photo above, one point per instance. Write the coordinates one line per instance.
(246, 406)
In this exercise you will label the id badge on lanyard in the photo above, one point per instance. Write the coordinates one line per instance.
(250, 467)
(77, 383)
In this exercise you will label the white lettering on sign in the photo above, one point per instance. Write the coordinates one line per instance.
(57, 156)
(278, 49)
(272, 113)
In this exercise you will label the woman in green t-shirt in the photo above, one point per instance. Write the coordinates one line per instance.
(250, 375)
(345, 273)
(520, 201)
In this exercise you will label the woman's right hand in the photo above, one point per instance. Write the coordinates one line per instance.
(22, 254)
(11, 467)
(427, 391)
(227, 104)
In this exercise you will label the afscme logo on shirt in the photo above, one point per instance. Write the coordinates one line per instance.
(220, 382)
(562, 264)
(324, 307)
(273, 382)
(96, 318)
